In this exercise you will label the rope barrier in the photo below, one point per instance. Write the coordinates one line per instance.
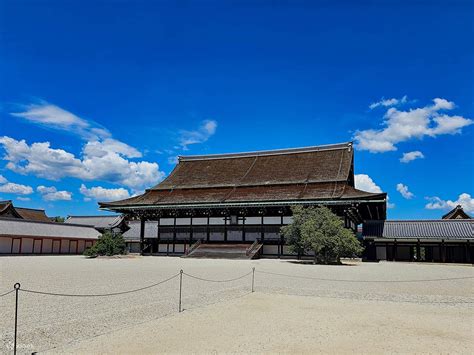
(102, 294)
(217, 281)
(366, 281)
(7, 293)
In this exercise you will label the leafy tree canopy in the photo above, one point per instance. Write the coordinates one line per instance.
(108, 244)
(320, 230)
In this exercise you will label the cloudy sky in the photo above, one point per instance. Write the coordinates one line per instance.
(97, 99)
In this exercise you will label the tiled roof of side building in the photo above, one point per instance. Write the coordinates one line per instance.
(23, 228)
(96, 221)
(435, 229)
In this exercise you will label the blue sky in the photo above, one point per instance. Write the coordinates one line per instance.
(98, 98)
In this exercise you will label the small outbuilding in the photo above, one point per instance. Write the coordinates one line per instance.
(442, 240)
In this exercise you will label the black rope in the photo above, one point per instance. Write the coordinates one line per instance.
(208, 280)
(99, 295)
(369, 281)
(7, 293)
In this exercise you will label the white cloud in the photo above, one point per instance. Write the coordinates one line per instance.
(18, 189)
(3, 180)
(20, 198)
(105, 161)
(365, 183)
(464, 199)
(408, 157)
(55, 117)
(416, 123)
(102, 194)
(201, 135)
(403, 189)
(52, 194)
(102, 157)
(388, 102)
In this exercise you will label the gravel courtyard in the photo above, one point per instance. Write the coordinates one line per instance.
(362, 307)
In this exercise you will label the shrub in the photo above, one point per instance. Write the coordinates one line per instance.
(108, 244)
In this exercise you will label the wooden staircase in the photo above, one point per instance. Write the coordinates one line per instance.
(225, 251)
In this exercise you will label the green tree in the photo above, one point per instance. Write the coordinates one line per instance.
(320, 230)
(108, 244)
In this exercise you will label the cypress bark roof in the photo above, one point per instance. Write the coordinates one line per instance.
(313, 173)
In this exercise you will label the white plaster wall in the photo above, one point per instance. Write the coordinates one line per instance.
(272, 220)
(162, 248)
(16, 246)
(37, 246)
(179, 248)
(234, 236)
(65, 246)
(200, 221)
(73, 246)
(27, 246)
(270, 249)
(216, 236)
(166, 221)
(5, 245)
(47, 246)
(81, 246)
(251, 236)
(253, 220)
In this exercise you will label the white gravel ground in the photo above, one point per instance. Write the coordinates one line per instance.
(370, 311)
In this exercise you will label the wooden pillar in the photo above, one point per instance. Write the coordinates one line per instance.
(243, 228)
(142, 234)
(468, 252)
(280, 245)
(174, 235)
(443, 251)
(158, 233)
(191, 232)
(418, 250)
(395, 251)
(208, 229)
(262, 230)
(225, 228)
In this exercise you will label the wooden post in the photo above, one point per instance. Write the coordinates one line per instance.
(158, 233)
(191, 231)
(208, 230)
(243, 228)
(225, 228)
(142, 234)
(174, 235)
(418, 250)
(443, 251)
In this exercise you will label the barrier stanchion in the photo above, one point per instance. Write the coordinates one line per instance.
(253, 277)
(180, 288)
(17, 288)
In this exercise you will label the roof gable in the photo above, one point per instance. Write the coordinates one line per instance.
(456, 213)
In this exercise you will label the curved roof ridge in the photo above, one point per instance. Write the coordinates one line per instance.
(346, 145)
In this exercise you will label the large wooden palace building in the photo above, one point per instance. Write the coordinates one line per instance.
(245, 198)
